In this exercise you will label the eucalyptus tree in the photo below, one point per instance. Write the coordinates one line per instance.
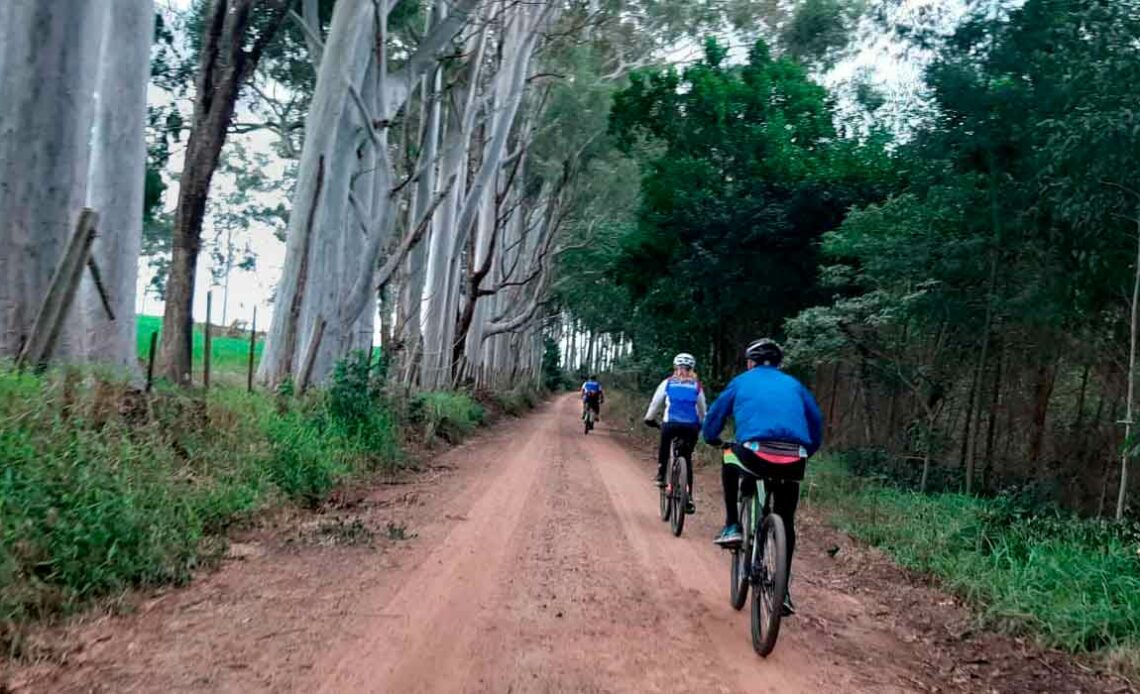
(72, 135)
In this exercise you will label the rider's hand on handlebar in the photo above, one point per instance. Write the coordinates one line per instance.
(715, 443)
(652, 424)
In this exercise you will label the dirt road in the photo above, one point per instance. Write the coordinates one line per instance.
(537, 563)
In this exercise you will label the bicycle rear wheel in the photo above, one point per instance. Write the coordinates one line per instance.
(678, 480)
(742, 558)
(770, 584)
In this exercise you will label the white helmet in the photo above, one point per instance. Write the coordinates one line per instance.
(685, 359)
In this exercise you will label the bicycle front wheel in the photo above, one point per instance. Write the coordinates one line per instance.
(742, 558)
(770, 583)
(678, 481)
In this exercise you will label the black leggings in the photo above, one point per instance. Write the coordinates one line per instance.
(785, 497)
(687, 435)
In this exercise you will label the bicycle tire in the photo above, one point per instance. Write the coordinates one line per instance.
(680, 494)
(772, 585)
(741, 558)
(666, 501)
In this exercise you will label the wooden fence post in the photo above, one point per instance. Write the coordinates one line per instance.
(150, 361)
(252, 346)
(206, 341)
(38, 348)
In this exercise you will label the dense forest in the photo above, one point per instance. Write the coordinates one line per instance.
(959, 290)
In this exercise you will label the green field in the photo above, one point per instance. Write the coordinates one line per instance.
(230, 354)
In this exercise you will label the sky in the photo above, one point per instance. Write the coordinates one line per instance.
(894, 71)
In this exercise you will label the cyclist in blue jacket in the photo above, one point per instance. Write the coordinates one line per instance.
(683, 401)
(778, 426)
(592, 397)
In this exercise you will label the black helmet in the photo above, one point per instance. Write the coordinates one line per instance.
(764, 351)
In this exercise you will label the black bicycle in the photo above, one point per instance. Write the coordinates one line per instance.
(675, 492)
(760, 561)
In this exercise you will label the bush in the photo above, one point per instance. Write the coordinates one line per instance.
(1071, 583)
(517, 401)
(102, 489)
(445, 415)
(92, 504)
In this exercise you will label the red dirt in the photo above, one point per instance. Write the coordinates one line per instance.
(534, 562)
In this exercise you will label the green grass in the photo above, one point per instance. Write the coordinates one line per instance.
(102, 490)
(1070, 583)
(444, 415)
(229, 355)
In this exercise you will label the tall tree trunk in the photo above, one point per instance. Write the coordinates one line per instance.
(1122, 495)
(348, 53)
(224, 65)
(48, 53)
(115, 182)
(309, 238)
(991, 425)
(1042, 394)
(832, 398)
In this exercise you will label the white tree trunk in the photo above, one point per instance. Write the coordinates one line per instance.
(115, 182)
(345, 51)
(312, 233)
(48, 52)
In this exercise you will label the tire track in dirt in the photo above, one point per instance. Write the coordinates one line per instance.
(429, 624)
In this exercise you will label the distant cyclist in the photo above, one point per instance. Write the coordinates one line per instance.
(592, 396)
(778, 426)
(683, 400)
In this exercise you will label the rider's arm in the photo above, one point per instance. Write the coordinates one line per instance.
(657, 401)
(718, 413)
(702, 405)
(814, 420)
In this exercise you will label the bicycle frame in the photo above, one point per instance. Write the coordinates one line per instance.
(756, 519)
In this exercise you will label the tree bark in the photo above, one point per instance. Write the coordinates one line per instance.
(224, 65)
(346, 57)
(115, 183)
(48, 54)
(1122, 495)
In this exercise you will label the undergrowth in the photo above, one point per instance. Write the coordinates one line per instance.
(103, 488)
(1071, 583)
(444, 415)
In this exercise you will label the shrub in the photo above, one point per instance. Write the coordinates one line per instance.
(1070, 582)
(445, 415)
(102, 489)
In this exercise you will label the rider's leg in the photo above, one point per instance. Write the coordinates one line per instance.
(688, 435)
(664, 450)
(785, 499)
(730, 479)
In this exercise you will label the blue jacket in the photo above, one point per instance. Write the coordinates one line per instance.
(768, 405)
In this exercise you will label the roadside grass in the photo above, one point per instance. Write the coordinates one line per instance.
(1070, 583)
(444, 416)
(103, 489)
